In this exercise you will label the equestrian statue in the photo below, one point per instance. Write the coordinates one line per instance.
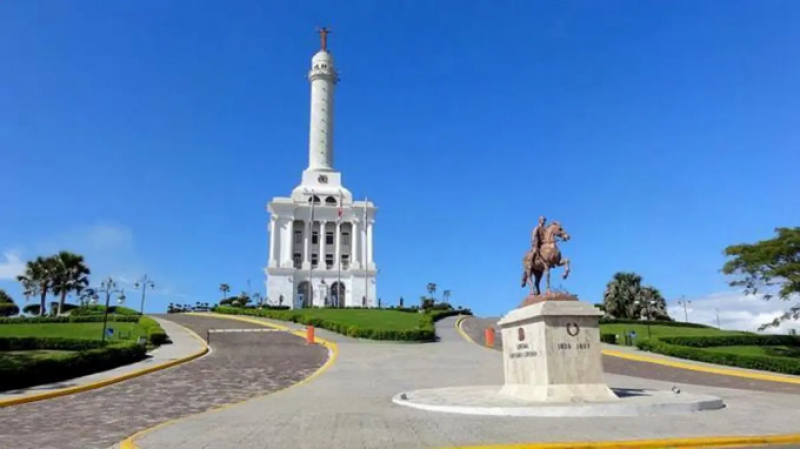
(544, 255)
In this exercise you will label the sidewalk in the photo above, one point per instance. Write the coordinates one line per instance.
(185, 346)
(633, 353)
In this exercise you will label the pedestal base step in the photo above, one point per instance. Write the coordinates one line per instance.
(487, 401)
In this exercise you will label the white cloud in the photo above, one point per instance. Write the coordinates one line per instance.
(11, 266)
(736, 312)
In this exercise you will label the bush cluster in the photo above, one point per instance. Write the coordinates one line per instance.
(423, 333)
(693, 351)
(437, 315)
(21, 371)
(609, 338)
(655, 322)
(69, 319)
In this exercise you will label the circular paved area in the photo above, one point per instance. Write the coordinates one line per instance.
(240, 366)
(475, 327)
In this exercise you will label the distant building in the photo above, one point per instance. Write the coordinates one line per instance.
(320, 250)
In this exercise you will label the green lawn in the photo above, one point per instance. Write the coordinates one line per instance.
(367, 318)
(660, 331)
(131, 331)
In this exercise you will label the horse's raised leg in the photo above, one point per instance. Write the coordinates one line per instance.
(565, 263)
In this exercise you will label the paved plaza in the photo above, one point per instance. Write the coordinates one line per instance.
(239, 367)
(349, 405)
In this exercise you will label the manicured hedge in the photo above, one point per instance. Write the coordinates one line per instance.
(441, 314)
(155, 334)
(424, 333)
(655, 322)
(767, 363)
(733, 340)
(100, 310)
(19, 372)
(609, 338)
(59, 343)
(70, 319)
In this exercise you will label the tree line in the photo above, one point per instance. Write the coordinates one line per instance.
(60, 275)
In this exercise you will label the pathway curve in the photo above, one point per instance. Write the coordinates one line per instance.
(474, 327)
(240, 366)
(349, 406)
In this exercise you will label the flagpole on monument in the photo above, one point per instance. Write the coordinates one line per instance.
(366, 264)
(339, 254)
(310, 290)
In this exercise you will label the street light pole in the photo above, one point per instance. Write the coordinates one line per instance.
(685, 304)
(108, 287)
(716, 312)
(144, 282)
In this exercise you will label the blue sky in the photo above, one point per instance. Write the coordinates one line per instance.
(150, 135)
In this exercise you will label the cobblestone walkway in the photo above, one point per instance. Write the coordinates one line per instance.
(474, 327)
(240, 366)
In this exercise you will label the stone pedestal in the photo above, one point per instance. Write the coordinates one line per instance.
(552, 353)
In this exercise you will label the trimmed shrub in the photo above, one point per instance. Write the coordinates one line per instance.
(759, 362)
(425, 331)
(441, 314)
(608, 338)
(733, 340)
(100, 310)
(69, 319)
(19, 371)
(155, 334)
(54, 343)
(8, 309)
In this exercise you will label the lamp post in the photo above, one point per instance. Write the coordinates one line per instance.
(144, 283)
(683, 302)
(109, 286)
(716, 312)
(648, 308)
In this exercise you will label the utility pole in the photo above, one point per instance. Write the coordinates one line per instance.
(144, 283)
(716, 312)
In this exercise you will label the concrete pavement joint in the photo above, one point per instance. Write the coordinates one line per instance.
(333, 351)
(106, 382)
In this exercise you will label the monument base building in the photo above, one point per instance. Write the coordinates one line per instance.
(320, 250)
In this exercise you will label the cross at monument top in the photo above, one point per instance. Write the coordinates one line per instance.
(323, 37)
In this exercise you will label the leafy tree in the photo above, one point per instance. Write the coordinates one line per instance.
(38, 279)
(7, 306)
(242, 300)
(32, 309)
(225, 289)
(70, 276)
(446, 295)
(763, 266)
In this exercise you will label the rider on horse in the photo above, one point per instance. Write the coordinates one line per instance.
(537, 237)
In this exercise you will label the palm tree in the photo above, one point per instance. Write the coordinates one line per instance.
(70, 275)
(431, 287)
(655, 303)
(38, 279)
(446, 295)
(621, 295)
(224, 288)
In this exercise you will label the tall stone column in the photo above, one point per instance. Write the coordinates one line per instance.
(355, 241)
(322, 231)
(273, 242)
(370, 261)
(309, 229)
(285, 251)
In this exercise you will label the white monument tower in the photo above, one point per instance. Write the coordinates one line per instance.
(320, 246)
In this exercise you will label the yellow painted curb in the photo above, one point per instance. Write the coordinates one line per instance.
(700, 442)
(110, 381)
(672, 363)
(130, 442)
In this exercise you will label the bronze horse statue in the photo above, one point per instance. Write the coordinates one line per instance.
(549, 256)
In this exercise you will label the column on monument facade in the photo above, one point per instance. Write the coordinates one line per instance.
(337, 245)
(369, 242)
(308, 229)
(355, 237)
(321, 239)
(272, 242)
(285, 230)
